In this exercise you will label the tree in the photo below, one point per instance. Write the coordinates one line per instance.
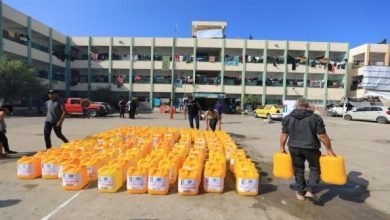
(104, 94)
(18, 80)
(252, 99)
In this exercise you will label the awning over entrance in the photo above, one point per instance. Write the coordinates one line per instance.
(209, 95)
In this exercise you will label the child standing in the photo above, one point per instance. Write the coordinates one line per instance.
(171, 112)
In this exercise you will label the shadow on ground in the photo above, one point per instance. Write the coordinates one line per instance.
(9, 202)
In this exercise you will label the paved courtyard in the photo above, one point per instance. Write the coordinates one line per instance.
(365, 196)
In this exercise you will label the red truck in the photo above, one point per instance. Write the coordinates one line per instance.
(73, 107)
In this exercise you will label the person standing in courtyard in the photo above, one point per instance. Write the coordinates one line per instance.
(84, 105)
(192, 108)
(305, 131)
(171, 111)
(54, 118)
(219, 108)
(133, 108)
(122, 108)
(4, 110)
(212, 120)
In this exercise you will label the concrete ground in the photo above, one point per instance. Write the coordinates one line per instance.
(365, 196)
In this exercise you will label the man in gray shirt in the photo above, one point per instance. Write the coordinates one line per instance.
(304, 131)
(54, 118)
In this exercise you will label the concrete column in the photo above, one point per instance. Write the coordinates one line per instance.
(195, 64)
(50, 76)
(151, 72)
(89, 66)
(367, 55)
(346, 73)
(29, 33)
(68, 71)
(173, 69)
(131, 67)
(110, 63)
(223, 65)
(306, 69)
(1, 30)
(264, 85)
(387, 56)
(285, 71)
(243, 75)
(326, 76)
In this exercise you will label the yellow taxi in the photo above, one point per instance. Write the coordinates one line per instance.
(270, 112)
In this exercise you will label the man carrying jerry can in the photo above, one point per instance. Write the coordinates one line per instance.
(304, 131)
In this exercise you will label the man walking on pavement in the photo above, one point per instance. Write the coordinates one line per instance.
(304, 131)
(54, 118)
(4, 110)
(192, 108)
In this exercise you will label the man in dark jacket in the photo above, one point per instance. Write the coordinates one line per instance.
(304, 131)
(193, 109)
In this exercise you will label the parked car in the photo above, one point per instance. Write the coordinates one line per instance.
(73, 107)
(269, 111)
(107, 107)
(380, 114)
(339, 109)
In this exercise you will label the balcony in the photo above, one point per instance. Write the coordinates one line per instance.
(315, 93)
(186, 88)
(39, 55)
(15, 48)
(216, 66)
(142, 64)
(184, 66)
(141, 87)
(253, 90)
(272, 68)
(120, 64)
(254, 67)
(295, 91)
(274, 90)
(208, 88)
(335, 93)
(162, 88)
(232, 89)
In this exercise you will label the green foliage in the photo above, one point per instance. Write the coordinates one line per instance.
(252, 99)
(103, 94)
(18, 80)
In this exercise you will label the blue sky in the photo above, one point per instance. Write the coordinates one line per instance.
(354, 21)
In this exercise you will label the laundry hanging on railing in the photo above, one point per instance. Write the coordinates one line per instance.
(165, 62)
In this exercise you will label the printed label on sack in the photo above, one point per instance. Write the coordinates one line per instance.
(49, 169)
(24, 169)
(92, 172)
(187, 185)
(213, 183)
(247, 185)
(106, 182)
(136, 182)
(157, 183)
(71, 179)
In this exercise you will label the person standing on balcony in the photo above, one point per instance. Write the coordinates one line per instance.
(54, 118)
(193, 109)
(304, 131)
(4, 110)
